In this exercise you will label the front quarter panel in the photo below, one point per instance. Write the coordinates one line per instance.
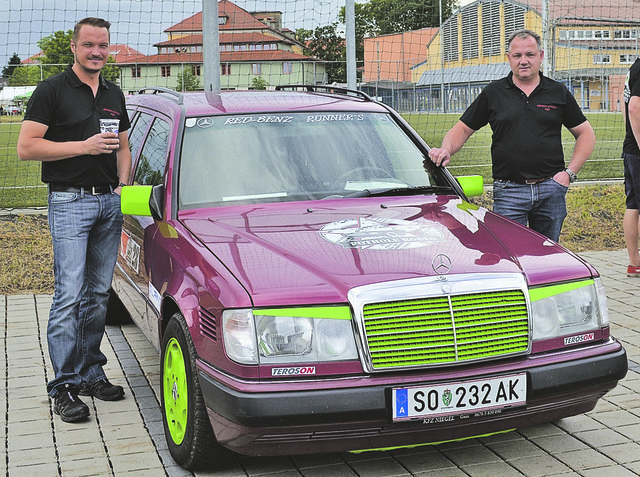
(183, 270)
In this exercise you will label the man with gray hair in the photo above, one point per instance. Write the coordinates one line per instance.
(526, 111)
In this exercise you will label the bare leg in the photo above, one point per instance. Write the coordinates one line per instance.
(630, 226)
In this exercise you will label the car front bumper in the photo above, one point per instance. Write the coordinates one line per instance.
(359, 417)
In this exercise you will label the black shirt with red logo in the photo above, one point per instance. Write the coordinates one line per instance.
(631, 88)
(68, 107)
(527, 131)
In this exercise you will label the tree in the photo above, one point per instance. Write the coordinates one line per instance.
(259, 83)
(14, 62)
(25, 76)
(325, 44)
(395, 16)
(187, 80)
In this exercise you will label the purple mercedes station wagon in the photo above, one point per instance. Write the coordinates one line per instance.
(312, 288)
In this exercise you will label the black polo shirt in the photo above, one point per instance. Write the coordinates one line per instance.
(631, 88)
(527, 131)
(68, 107)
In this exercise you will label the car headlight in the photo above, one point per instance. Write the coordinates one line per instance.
(296, 335)
(568, 309)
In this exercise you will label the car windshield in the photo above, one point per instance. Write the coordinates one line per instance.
(301, 156)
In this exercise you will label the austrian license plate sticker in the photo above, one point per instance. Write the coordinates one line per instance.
(462, 398)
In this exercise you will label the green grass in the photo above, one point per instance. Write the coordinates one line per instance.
(594, 223)
(475, 157)
(20, 184)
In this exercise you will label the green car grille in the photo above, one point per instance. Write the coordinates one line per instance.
(446, 329)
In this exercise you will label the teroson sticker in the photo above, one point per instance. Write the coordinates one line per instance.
(293, 371)
(377, 233)
(571, 340)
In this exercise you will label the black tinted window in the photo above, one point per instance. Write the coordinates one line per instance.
(154, 154)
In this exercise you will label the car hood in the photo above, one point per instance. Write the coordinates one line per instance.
(320, 250)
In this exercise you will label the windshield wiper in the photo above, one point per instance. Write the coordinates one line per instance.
(391, 191)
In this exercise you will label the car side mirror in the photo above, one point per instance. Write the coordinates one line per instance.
(142, 200)
(472, 186)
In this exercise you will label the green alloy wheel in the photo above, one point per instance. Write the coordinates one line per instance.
(186, 424)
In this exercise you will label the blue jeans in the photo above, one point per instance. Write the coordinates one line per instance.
(85, 231)
(542, 206)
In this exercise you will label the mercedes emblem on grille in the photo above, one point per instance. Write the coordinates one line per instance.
(441, 264)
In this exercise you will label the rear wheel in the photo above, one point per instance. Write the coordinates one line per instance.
(186, 423)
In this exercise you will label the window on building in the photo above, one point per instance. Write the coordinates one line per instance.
(491, 29)
(513, 19)
(470, 33)
(196, 70)
(225, 69)
(287, 67)
(256, 68)
(450, 37)
(628, 59)
(165, 71)
(136, 71)
(600, 59)
(625, 34)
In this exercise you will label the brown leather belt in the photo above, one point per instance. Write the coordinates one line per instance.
(532, 181)
(93, 190)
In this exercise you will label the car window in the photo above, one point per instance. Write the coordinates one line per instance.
(153, 157)
(300, 156)
(138, 131)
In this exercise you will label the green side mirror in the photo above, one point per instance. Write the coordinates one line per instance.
(134, 200)
(471, 185)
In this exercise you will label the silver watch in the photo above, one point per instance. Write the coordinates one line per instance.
(572, 175)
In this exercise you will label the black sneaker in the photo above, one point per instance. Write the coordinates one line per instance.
(68, 405)
(103, 390)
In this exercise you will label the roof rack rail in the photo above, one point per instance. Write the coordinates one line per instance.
(159, 89)
(325, 88)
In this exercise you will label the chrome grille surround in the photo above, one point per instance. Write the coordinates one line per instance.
(439, 321)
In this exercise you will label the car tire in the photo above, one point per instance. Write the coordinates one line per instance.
(187, 428)
(117, 314)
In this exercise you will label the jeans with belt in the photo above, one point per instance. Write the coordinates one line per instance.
(85, 232)
(542, 206)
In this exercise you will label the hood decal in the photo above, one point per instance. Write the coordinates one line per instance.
(376, 233)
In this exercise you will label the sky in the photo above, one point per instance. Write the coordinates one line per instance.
(137, 23)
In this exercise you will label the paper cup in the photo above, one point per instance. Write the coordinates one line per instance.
(109, 125)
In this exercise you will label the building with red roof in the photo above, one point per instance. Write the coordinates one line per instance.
(252, 46)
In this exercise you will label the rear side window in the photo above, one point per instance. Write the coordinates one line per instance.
(140, 125)
(153, 157)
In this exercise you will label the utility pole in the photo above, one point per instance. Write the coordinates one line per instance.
(210, 46)
(350, 17)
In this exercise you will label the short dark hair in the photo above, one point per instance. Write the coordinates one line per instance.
(524, 33)
(91, 21)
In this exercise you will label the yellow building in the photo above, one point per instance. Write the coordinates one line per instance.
(589, 46)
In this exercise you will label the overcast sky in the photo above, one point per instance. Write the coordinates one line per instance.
(137, 23)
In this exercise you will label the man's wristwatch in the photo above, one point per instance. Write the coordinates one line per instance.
(572, 175)
(122, 184)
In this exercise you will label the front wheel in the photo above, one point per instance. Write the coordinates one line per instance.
(186, 424)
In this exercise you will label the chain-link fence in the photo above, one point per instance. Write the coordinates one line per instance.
(426, 59)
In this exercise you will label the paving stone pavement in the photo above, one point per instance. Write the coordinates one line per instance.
(126, 437)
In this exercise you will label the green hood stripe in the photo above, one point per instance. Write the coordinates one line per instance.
(327, 312)
(536, 294)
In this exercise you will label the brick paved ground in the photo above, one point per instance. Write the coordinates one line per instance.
(125, 437)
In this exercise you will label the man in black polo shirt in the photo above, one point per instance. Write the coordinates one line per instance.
(631, 159)
(526, 112)
(84, 170)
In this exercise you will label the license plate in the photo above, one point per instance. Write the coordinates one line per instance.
(465, 397)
